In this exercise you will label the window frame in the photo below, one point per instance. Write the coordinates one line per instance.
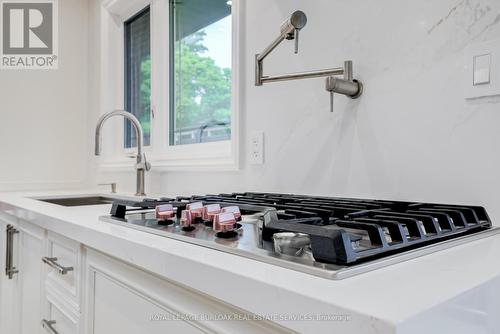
(222, 155)
(126, 84)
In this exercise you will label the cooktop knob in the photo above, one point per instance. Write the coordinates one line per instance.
(165, 213)
(209, 212)
(186, 221)
(196, 209)
(235, 210)
(224, 224)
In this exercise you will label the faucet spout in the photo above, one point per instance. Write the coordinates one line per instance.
(289, 30)
(141, 163)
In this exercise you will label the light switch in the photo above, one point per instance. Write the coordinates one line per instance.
(482, 68)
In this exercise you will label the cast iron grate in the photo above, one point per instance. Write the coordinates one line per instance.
(344, 230)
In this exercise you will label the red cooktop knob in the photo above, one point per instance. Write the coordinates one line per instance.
(196, 209)
(224, 222)
(234, 210)
(186, 220)
(165, 212)
(209, 211)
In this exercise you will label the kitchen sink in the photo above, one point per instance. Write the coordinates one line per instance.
(78, 201)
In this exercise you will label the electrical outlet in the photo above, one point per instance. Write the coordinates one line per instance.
(257, 148)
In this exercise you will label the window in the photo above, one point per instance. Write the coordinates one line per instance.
(200, 71)
(138, 75)
(171, 64)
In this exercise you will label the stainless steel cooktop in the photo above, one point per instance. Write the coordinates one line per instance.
(332, 238)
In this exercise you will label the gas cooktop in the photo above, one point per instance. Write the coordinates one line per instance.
(324, 236)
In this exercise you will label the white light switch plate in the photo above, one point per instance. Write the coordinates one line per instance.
(257, 148)
(482, 69)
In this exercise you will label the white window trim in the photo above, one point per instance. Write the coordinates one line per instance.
(222, 155)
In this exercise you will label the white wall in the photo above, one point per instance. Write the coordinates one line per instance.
(412, 135)
(43, 114)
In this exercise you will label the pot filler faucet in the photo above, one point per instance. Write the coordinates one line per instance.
(141, 165)
(290, 31)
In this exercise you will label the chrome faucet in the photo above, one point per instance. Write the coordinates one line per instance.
(142, 165)
(289, 30)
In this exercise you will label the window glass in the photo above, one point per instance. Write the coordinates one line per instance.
(138, 75)
(200, 71)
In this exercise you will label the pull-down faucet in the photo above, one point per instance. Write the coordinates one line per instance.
(290, 31)
(141, 165)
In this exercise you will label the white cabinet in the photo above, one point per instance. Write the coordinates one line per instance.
(21, 293)
(63, 279)
(58, 286)
(119, 309)
(37, 298)
(59, 319)
(30, 277)
(8, 287)
(123, 299)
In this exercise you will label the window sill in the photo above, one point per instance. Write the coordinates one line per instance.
(159, 164)
(215, 156)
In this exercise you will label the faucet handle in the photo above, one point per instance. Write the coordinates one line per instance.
(330, 85)
(142, 163)
(296, 37)
(147, 165)
(290, 28)
(331, 101)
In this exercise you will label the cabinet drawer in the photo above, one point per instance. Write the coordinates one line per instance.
(57, 321)
(62, 262)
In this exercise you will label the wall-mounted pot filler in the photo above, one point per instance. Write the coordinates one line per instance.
(290, 31)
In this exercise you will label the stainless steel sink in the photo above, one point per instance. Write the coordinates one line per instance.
(79, 201)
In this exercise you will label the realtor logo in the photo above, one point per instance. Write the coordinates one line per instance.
(29, 34)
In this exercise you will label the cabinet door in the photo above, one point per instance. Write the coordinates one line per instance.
(30, 278)
(21, 294)
(119, 309)
(9, 318)
(124, 299)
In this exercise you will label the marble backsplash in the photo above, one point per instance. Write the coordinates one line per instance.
(411, 136)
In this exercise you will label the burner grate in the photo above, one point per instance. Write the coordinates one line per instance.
(346, 231)
(342, 231)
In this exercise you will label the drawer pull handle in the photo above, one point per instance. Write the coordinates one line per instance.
(52, 262)
(49, 326)
(10, 269)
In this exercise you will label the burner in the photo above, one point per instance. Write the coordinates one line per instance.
(291, 243)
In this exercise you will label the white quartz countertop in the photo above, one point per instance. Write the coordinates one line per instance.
(386, 300)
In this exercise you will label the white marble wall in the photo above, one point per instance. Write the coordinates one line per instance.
(412, 136)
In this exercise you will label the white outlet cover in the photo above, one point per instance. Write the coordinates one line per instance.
(256, 148)
(471, 55)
